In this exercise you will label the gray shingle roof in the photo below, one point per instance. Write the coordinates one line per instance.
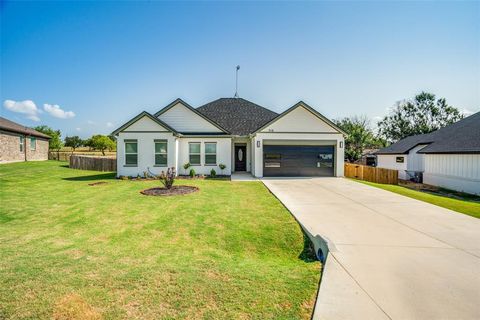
(11, 126)
(237, 115)
(460, 137)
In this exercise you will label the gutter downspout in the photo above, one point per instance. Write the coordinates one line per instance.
(25, 146)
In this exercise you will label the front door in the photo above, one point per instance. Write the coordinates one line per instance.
(240, 158)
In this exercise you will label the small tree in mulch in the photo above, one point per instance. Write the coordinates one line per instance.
(168, 178)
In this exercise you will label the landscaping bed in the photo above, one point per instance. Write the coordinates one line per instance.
(74, 251)
(175, 190)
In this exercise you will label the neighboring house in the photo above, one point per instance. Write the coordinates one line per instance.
(448, 157)
(20, 143)
(368, 158)
(231, 131)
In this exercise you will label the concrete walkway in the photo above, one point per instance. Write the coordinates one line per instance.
(243, 176)
(390, 257)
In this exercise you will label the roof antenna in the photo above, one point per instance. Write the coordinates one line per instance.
(236, 82)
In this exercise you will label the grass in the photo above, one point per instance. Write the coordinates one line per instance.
(73, 251)
(471, 208)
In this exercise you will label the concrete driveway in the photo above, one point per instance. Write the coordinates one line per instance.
(390, 257)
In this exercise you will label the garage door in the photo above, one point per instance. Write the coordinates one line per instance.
(295, 161)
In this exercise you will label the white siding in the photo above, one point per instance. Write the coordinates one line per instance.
(389, 161)
(145, 124)
(146, 152)
(183, 119)
(224, 155)
(300, 120)
(459, 172)
(253, 154)
(297, 139)
(416, 161)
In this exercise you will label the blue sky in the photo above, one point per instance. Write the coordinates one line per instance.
(88, 67)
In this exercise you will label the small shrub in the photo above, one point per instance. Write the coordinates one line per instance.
(168, 178)
(186, 166)
(123, 177)
(222, 167)
(192, 173)
(146, 175)
(213, 173)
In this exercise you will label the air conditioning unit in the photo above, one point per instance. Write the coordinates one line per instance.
(415, 176)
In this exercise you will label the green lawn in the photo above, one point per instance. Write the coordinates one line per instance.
(70, 250)
(471, 208)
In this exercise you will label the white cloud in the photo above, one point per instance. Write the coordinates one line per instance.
(26, 107)
(55, 111)
(78, 129)
(109, 125)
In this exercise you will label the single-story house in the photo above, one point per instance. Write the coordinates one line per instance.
(20, 143)
(448, 157)
(235, 132)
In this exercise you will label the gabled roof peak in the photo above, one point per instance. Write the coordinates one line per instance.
(308, 108)
(138, 117)
(177, 101)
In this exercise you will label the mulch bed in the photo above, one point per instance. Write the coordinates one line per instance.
(438, 191)
(175, 190)
(97, 183)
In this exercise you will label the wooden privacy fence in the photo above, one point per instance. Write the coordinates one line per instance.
(65, 155)
(372, 174)
(96, 163)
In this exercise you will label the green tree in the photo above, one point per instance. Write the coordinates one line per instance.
(422, 114)
(88, 143)
(360, 136)
(102, 143)
(73, 142)
(55, 142)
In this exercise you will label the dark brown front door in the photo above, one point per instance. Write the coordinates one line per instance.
(240, 158)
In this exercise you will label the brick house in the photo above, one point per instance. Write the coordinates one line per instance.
(20, 143)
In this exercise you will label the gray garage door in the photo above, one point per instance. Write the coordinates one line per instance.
(296, 161)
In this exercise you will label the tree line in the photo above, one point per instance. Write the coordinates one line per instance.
(97, 142)
(422, 114)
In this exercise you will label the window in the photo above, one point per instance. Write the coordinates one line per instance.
(272, 160)
(211, 153)
(194, 153)
(400, 159)
(21, 143)
(161, 153)
(131, 153)
(33, 143)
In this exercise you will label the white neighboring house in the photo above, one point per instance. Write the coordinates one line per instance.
(448, 157)
(231, 131)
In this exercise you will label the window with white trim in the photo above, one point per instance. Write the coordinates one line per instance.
(210, 153)
(194, 153)
(131, 153)
(22, 143)
(161, 153)
(33, 143)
